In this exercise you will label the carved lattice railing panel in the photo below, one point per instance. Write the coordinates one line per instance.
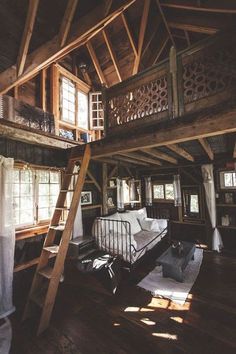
(140, 102)
(209, 73)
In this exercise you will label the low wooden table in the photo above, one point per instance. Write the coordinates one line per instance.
(174, 265)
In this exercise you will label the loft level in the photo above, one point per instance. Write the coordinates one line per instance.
(187, 82)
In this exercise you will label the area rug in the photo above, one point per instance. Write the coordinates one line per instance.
(170, 288)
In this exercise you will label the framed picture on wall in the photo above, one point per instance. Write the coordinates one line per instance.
(86, 198)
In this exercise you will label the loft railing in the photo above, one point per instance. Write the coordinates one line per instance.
(25, 115)
(198, 77)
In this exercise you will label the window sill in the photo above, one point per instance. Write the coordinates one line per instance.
(31, 232)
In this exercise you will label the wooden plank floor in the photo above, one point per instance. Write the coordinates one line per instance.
(87, 320)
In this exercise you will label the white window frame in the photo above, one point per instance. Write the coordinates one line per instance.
(164, 190)
(222, 179)
(98, 110)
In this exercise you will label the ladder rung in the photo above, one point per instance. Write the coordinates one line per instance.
(52, 249)
(57, 227)
(46, 272)
(62, 208)
(67, 190)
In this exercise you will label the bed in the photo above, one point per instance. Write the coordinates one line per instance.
(130, 234)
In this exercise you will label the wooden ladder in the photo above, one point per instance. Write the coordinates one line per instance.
(46, 279)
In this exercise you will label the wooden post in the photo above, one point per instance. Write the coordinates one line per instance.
(16, 92)
(43, 89)
(54, 96)
(173, 72)
(104, 189)
(180, 85)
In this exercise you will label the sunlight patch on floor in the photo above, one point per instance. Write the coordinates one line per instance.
(165, 335)
(148, 322)
(138, 309)
(177, 319)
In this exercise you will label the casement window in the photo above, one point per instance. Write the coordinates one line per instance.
(96, 111)
(192, 202)
(228, 180)
(73, 104)
(163, 191)
(34, 196)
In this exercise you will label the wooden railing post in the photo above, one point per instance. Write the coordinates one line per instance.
(173, 73)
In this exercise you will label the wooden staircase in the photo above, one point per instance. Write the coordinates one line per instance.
(47, 277)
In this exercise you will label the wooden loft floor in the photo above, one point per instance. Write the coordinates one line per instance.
(87, 320)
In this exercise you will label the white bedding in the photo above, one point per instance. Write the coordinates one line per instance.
(104, 234)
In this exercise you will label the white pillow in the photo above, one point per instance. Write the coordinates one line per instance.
(162, 224)
(149, 224)
(131, 218)
(140, 214)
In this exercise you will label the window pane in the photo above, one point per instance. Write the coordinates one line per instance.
(228, 179)
(26, 217)
(43, 189)
(194, 205)
(54, 177)
(43, 176)
(169, 189)
(158, 191)
(82, 110)
(44, 214)
(43, 201)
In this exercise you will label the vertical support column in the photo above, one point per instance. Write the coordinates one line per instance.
(180, 85)
(104, 189)
(16, 92)
(54, 96)
(43, 89)
(104, 101)
(173, 72)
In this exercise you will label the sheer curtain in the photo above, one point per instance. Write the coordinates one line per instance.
(208, 182)
(7, 236)
(177, 190)
(120, 194)
(78, 224)
(148, 191)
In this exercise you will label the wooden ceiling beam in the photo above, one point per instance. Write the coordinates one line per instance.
(160, 155)
(81, 31)
(187, 37)
(130, 160)
(96, 63)
(142, 31)
(165, 22)
(129, 34)
(202, 8)
(66, 22)
(112, 54)
(27, 34)
(140, 157)
(202, 126)
(181, 152)
(207, 148)
(194, 27)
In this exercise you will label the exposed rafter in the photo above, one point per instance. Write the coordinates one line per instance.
(207, 148)
(181, 152)
(187, 38)
(142, 31)
(152, 36)
(140, 157)
(81, 31)
(203, 8)
(160, 50)
(112, 54)
(130, 160)
(129, 34)
(165, 22)
(160, 155)
(66, 22)
(192, 27)
(28, 30)
(96, 63)
(107, 6)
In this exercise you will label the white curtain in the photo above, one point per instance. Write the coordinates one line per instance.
(7, 236)
(78, 224)
(148, 191)
(177, 191)
(132, 192)
(208, 181)
(120, 194)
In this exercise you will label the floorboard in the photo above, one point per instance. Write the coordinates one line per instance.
(88, 320)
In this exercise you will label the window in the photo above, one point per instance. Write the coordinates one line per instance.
(191, 202)
(68, 100)
(96, 111)
(35, 194)
(164, 191)
(228, 180)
